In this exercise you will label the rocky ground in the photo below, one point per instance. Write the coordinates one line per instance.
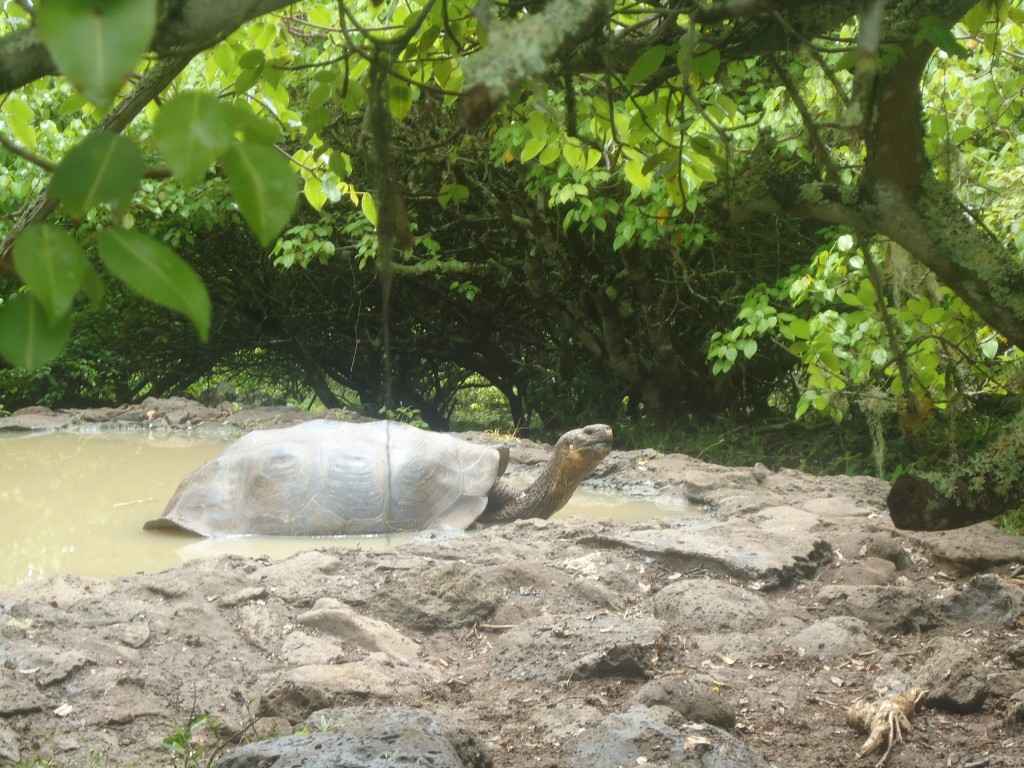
(739, 638)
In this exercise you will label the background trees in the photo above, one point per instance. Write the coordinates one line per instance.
(591, 206)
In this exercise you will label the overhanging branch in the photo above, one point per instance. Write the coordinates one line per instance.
(189, 25)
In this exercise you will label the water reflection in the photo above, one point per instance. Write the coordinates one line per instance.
(75, 503)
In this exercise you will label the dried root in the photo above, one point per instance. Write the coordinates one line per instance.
(884, 721)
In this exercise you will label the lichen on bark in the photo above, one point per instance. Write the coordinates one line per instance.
(523, 48)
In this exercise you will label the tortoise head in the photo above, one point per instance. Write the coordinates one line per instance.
(580, 450)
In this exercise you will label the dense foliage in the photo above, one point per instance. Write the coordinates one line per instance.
(661, 210)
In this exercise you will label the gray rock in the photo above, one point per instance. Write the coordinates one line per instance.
(975, 549)
(18, 694)
(332, 617)
(1015, 655)
(367, 738)
(833, 637)
(887, 609)
(441, 595)
(747, 646)
(658, 737)
(836, 507)
(779, 545)
(985, 599)
(954, 676)
(711, 605)
(859, 543)
(35, 418)
(10, 753)
(696, 697)
(559, 648)
(869, 570)
(296, 692)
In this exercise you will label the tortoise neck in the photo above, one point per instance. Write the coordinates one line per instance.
(549, 492)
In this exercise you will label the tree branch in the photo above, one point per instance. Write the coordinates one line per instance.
(189, 25)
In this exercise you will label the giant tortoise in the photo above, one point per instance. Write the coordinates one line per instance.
(327, 478)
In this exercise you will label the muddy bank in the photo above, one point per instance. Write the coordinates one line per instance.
(735, 639)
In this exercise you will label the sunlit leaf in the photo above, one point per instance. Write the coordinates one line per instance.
(96, 43)
(18, 116)
(636, 175)
(52, 264)
(158, 273)
(313, 189)
(369, 208)
(191, 131)
(264, 187)
(28, 338)
(532, 149)
(102, 168)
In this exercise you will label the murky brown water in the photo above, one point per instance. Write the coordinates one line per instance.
(75, 503)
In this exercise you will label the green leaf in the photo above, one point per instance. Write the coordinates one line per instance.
(989, 347)
(636, 176)
(253, 127)
(191, 131)
(158, 273)
(102, 168)
(92, 285)
(264, 187)
(551, 153)
(532, 149)
(27, 337)
(52, 264)
(313, 189)
(936, 32)
(369, 207)
(975, 18)
(19, 121)
(706, 64)
(399, 99)
(800, 328)
(645, 66)
(96, 43)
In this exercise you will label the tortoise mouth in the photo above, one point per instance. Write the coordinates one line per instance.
(602, 447)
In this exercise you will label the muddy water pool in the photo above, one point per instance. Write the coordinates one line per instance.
(76, 502)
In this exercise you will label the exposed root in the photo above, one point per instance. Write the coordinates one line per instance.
(884, 721)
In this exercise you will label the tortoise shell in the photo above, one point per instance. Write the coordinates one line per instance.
(327, 478)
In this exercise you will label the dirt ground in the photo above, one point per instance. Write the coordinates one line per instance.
(739, 638)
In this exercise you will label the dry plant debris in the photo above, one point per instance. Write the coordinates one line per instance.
(884, 721)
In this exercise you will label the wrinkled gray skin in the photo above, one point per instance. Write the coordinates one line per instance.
(329, 478)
